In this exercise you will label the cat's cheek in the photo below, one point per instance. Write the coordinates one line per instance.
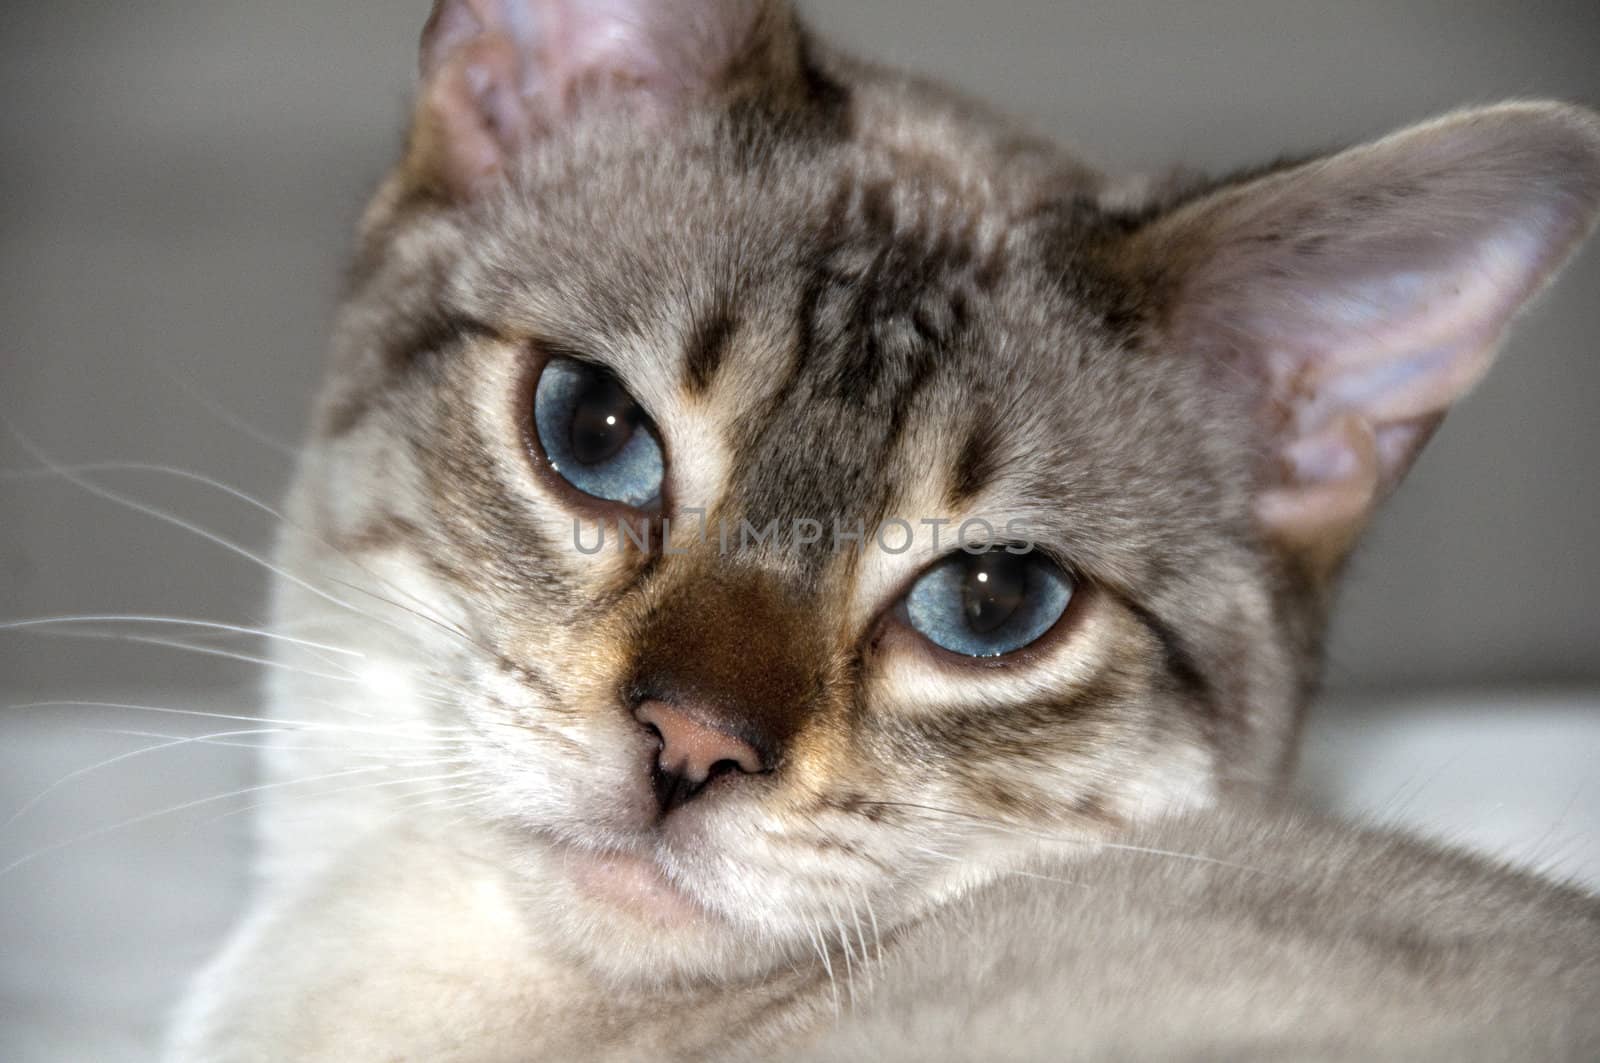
(582, 772)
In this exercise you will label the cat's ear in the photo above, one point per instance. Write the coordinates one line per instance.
(498, 74)
(1362, 293)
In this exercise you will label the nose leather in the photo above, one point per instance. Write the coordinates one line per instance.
(692, 750)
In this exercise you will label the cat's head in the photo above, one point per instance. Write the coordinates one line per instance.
(652, 262)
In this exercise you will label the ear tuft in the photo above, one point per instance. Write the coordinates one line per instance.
(1365, 292)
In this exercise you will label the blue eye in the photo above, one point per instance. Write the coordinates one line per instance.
(595, 436)
(988, 604)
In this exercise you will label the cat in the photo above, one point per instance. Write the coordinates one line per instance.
(773, 531)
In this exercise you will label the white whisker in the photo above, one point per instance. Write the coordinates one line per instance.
(157, 513)
(146, 817)
(210, 625)
(342, 790)
(861, 940)
(844, 947)
(827, 965)
(208, 651)
(69, 474)
(308, 724)
(1081, 841)
(225, 415)
(394, 753)
(877, 937)
(33, 801)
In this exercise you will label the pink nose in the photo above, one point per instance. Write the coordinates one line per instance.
(692, 752)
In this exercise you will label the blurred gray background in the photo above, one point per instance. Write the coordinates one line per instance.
(178, 182)
(180, 178)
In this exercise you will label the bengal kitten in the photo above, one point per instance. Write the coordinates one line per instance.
(772, 527)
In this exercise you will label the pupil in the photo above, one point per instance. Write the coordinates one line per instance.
(995, 588)
(603, 420)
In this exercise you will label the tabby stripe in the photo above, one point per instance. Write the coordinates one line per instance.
(708, 345)
(1180, 664)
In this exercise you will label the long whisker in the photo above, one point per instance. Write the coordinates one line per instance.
(176, 521)
(398, 728)
(343, 790)
(877, 937)
(395, 754)
(337, 707)
(158, 513)
(421, 806)
(146, 817)
(430, 691)
(72, 473)
(1009, 871)
(827, 965)
(34, 801)
(861, 940)
(210, 651)
(209, 625)
(1008, 828)
(844, 946)
(425, 617)
(225, 415)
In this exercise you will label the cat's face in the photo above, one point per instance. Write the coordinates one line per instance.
(808, 344)
(794, 303)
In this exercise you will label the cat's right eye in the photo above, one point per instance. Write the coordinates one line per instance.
(595, 436)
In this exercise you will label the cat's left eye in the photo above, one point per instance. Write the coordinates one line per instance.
(988, 604)
(595, 436)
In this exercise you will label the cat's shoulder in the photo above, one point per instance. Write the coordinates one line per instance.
(1257, 931)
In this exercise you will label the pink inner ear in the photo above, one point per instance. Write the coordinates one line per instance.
(663, 47)
(1331, 480)
(497, 74)
(472, 118)
(451, 25)
(1365, 361)
(1403, 346)
(619, 41)
(1369, 291)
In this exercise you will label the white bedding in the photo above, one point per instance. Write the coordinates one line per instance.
(111, 910)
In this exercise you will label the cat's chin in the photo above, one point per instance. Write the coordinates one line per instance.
(620, 915)
(635, 887)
